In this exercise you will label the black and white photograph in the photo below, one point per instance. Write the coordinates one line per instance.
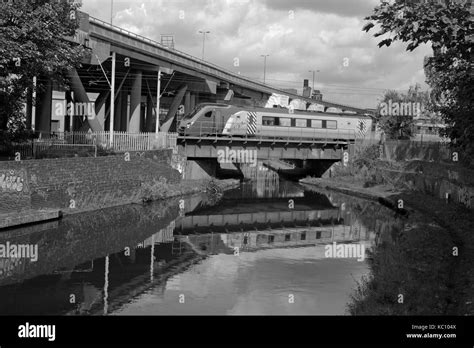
(305, 165)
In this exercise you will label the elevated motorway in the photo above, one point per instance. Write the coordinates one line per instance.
(105, 37)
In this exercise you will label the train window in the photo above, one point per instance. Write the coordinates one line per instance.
(208, 114)
(303, 236)
(331, 124)
(271, 239)
(285, 122)
(268, 121)
(287, 237)
(300, 122)
(316, 124)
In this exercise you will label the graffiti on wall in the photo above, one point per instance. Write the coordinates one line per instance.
(12, 181)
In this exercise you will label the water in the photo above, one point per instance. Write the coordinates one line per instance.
(260, 249)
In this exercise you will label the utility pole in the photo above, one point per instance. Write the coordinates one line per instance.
(158, 97)
(203, 32)
(112, 101)
(264, 66)
(111, 11)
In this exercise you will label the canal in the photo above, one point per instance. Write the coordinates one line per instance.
(258, 249)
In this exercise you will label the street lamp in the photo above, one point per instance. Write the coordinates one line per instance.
(203, 40)
(264, 66)
(314, 72)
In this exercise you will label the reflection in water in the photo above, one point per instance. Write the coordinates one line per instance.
(106, 285)
(245, 255)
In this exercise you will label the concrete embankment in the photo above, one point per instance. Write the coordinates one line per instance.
(39, 190)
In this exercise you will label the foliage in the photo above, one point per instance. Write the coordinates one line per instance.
(447, 26)
(33, 43)
(398, 125)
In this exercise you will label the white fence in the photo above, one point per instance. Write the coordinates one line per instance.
(121, 141)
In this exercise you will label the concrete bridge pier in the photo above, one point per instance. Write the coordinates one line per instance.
(135, 103)
(150, 114)
(44, 106)
(124, 111)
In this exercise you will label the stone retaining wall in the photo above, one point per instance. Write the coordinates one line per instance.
(81, 183)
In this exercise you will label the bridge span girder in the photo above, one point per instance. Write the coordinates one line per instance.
(203, 150)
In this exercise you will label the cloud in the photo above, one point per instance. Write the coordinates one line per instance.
(347, 8)
(316, 35)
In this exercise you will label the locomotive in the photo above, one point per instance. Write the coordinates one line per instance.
(214, 119)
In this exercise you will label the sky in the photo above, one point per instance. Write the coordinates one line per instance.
(298, 35)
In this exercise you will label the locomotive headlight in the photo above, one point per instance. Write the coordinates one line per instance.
(188, 125)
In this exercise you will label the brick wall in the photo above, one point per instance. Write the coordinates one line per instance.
(81, 183)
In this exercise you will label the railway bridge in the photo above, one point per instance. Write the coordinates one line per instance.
(292, 156)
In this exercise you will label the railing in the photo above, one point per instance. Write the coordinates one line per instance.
(42, 148)
(209, 130)
(122, 141)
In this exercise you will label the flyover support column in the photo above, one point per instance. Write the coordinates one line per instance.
(124, 111)
(194, 100)
(135, 103)
(149, 113)
(118, 112)
(187, 103)
(69, 113)
(45, 108)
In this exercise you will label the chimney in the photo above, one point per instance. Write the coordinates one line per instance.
(306, 89)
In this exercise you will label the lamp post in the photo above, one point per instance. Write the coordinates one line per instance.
(203, 40)
(264, 66)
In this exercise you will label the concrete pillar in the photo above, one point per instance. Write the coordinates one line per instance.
(194, 100)
(101, 108)
(107, 113)
(142, 117)
(118, 113)
(135, 103)
(69, 112)
(80, 96)
(187, 103)
(150, 121)
(124, 111)
(45, 107)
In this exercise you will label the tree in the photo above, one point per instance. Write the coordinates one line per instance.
(447, 26)
(33, 43)
(396, 112)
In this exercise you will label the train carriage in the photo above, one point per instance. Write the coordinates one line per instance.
(228, 120)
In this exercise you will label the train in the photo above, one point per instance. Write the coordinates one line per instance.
(214, 119)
